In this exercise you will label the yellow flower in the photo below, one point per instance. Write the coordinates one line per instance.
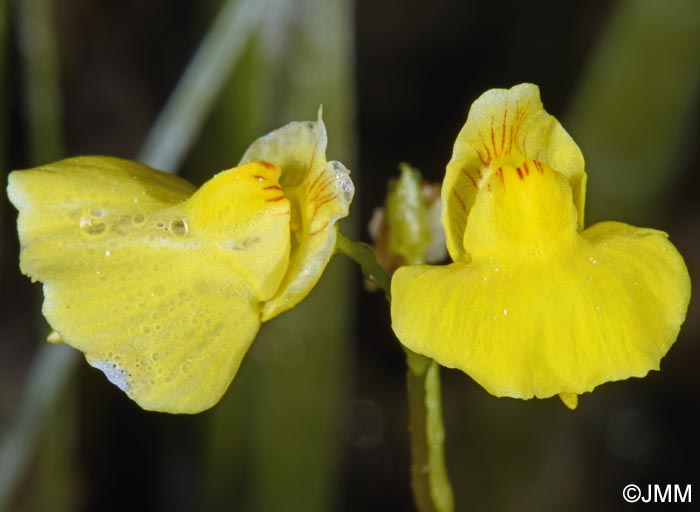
(534, 305)
(164, 286)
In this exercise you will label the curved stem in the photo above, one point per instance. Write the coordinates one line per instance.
(429, 479)
(430, 482)
(363, 255)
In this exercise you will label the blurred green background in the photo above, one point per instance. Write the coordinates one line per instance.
(316, 418)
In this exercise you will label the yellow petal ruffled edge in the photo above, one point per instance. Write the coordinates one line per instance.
(504, 127)
(609, 310)
(320, 193)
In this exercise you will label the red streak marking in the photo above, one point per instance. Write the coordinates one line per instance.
(326, 184)
(266, 165)
(466, 173)
(460, 201)
(274, 199)
(273, 187)
(478, 173)
(518, 123)
(328, 197)
(500, 174)
(503, 134)
(281, 214)
(513, 131)
(513, 135)
(488, 187)
(259, 178)
(315, 181)
(527, 169)
(493, 138)
(319, 230)
(325, 200)
(481, 157)
(539, 166)
(520, 173)
(488, 153)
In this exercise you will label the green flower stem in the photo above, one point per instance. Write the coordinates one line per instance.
(363, 255)
(431, 485)
(432, 490)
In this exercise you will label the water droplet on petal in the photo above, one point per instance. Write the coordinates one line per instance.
(342, 176)
(92, 228)
(178, 227)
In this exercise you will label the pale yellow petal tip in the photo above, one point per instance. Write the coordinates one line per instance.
(54, 337)
(570, 400)
(320, 192)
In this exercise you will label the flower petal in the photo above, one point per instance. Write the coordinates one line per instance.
(320, 193)
(608, 310)
(243, 213)
(159, 291)
(521, 212)
(504, 127)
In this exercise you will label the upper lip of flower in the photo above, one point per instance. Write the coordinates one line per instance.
(504, 128)
(320, 193)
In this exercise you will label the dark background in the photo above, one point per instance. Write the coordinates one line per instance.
(418, 66)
